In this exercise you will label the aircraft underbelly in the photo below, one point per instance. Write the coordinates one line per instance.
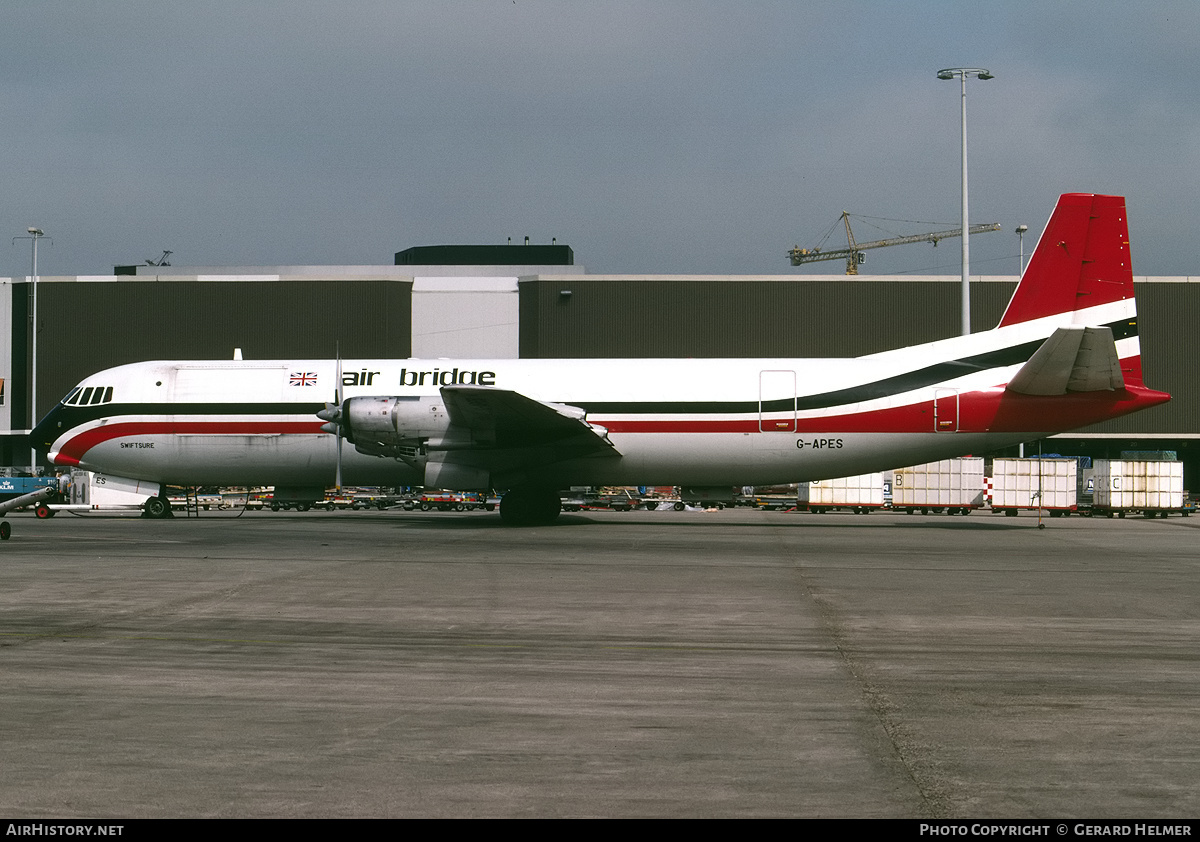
(750, 458)
(647, 459)
(242, 460)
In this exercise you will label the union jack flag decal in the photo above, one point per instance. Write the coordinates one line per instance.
(304, 378)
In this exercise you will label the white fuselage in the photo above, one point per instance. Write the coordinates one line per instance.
(695, 422)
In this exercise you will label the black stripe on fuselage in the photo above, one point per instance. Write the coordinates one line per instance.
(64, 417)
(907, 382)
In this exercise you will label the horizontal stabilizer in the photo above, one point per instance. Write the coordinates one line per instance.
(1073, 359)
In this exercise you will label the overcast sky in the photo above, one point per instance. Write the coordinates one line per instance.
(652, 137)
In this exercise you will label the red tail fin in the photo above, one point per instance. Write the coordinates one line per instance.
(1081, 260)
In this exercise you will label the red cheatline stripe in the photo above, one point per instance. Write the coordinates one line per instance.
(73, 450)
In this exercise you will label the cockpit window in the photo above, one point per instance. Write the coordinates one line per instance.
(88, 396)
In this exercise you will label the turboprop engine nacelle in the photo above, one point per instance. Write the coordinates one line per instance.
(402, 428)
(379, 425)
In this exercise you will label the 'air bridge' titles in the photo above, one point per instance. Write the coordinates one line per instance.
(449, 377)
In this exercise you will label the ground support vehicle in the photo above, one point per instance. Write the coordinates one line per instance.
(772, 502)
(621, 502)
(654, 497)
(197, 501)
(87, 491)
(276, 504)
(38, 497)
(242, 498)
(447, 501)
(573, 501)
(771, 498)
(615, 500)
(20, 488)
(375, 498)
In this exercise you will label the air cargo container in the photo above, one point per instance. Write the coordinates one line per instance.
(1154, 488)
(1048, 483)
(858, 494)
(954, 486)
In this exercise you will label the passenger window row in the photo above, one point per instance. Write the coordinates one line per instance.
(89, 396)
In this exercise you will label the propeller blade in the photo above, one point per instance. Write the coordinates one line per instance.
(337, 387)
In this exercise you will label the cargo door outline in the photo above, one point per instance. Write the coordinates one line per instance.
(945, 410)
(776, 395)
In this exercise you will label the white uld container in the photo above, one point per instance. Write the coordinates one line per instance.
(955, 483)
(1021, 483)
(859, 491)
(1125, 484)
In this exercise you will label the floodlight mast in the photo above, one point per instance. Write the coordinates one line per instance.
(962, 73)
(34, 234)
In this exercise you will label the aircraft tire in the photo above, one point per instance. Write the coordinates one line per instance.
(158, 507)
(530, 507)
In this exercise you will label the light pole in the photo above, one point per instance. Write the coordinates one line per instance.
(1021, 229)
(35, 234)
(962, 73)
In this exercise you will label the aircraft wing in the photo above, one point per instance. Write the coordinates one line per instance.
(1073, 359)
(507, 420)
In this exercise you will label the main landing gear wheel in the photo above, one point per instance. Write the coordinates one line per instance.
(530, 507)
(158, 507)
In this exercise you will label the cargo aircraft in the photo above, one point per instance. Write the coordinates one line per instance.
(1065, 355)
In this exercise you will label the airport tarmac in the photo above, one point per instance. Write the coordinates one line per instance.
(735, 663)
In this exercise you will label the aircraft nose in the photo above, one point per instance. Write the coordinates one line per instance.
(44, 433)
(62, 460)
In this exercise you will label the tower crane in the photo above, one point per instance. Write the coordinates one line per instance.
(853, 254)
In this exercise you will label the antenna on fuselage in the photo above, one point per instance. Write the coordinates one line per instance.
(337, 400)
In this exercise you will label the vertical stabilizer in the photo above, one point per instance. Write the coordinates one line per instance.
(1080, 265)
